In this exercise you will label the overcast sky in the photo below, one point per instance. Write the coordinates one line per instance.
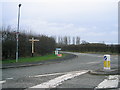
(92, 20)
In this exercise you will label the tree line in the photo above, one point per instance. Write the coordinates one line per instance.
(67, 40)
(45, 45)
(75, 44)
(92, 47)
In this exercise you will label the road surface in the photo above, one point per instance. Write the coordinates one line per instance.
(72, 73)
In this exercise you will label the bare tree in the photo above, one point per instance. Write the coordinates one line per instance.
(65, 40)
(77, 40)
(73, 39)
(69, 40)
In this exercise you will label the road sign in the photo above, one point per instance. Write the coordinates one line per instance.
(106, 62)
(58, 48)
(56, 52)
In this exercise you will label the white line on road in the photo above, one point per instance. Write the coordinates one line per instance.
(9, 78)
(100, 56)
(92, 62)
(51, 74)
(2, 81)
(110, 82)
(57, 81)
(47, 75)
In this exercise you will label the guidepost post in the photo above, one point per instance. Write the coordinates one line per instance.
(33, 40)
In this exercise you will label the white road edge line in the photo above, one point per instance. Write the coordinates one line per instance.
(92, 62)
(43, 75)
(57, 81)
(47, 75)
(9, 78)
(111, 82)
(1, 82)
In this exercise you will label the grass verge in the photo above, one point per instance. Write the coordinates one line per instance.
(33, 59)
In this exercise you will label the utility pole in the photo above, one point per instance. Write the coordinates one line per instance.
(17, 33)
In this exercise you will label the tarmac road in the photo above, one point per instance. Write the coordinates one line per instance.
(26, 77)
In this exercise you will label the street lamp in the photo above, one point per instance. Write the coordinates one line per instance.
(17, 33)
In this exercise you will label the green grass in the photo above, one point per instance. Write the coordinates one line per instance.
(33, 59)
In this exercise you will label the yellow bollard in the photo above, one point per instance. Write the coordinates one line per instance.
(107, 62)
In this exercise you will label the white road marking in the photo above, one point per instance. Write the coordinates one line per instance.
(47, 75)
(116, 58)
(100, 56)
(43, 75)
(2, 81)
(110, 82)
(9, 78)
(57, 81)
(92, 62)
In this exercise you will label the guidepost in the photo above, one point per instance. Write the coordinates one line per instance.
(33, 40)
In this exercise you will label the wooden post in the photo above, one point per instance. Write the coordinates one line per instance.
(33, 40)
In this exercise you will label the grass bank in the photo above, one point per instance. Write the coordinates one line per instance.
(33, 59)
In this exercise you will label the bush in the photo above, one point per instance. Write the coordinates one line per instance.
(44, 46)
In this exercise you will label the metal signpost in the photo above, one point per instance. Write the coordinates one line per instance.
(33, 40)
(17, 33)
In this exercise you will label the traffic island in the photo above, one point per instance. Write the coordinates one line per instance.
(104, 72)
